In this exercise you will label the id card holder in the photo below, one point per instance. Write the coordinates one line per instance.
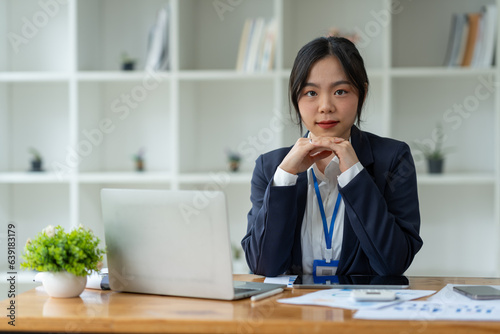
(328, 280)
(323, 268)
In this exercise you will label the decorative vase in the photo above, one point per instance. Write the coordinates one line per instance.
(234, 165)
(36, 165)
(139, 165)
(128, 66)
(435, 166)
(63, 284)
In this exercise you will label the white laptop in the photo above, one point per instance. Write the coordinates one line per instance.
(172, 243)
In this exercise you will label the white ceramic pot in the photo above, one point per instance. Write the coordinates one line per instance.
(63, 284)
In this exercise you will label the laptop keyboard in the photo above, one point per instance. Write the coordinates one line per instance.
(242, 290)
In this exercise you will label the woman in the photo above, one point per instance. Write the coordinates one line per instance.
(357, 189)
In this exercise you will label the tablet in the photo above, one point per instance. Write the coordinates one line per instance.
(351, 282)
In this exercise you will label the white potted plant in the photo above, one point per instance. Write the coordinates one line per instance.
(65, 259)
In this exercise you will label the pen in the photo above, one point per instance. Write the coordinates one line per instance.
(266, 294)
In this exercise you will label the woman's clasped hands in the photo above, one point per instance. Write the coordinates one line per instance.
(308, 151)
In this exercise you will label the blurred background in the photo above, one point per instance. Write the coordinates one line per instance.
(185, 94)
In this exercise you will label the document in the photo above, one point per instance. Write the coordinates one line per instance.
(444, 305)
(342, 298)
(425, 310)
(283, 279)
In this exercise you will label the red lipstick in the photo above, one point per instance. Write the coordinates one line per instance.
(327, 124)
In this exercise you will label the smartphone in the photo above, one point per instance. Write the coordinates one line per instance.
(478, 291)
(373, 295)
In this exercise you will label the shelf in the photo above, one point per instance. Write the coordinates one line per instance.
(456, 179)
(305, 20)
(225, 75)
(120, 75)
(32, 177)
(439, 72)
(34, 76)
(108, 28)
(65, 94)
(209, 177)
(220, 178)
(209, 37)
(428, 22)
(222, 118)
(125, 177)
(37, 36)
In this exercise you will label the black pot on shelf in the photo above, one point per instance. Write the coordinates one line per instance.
(36, 165)
(435, 166)
(139, 165)
(128, 66)
(234, 165)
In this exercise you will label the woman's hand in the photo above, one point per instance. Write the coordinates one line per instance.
(342, 149)
(307, 151)
(302, 155)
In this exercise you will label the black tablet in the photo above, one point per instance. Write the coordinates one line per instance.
(351, 282)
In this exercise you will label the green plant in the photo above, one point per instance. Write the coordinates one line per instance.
(55, 250)
(233, 156)
(125, 58)
(36, 155)
(236, 251)
(433, 149)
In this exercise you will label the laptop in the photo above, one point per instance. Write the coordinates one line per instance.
(171, 242)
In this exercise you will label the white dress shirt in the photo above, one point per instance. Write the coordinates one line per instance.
(312, 233)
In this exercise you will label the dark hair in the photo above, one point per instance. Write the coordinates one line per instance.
(317, 49)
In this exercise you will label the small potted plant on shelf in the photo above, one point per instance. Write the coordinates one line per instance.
(234, 159)
(139, 160)
(64, 258)
(128, 63)
(36, 160)
(434, 152)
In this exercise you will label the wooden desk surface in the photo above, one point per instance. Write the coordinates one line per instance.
(110, 312)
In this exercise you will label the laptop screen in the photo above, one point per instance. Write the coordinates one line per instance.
(168, 242)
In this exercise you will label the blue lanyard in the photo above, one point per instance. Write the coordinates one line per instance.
(328, 233)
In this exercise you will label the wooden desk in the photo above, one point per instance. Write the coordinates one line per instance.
(110, 312)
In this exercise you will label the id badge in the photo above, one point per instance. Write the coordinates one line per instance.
(328, 280)
(323, 268)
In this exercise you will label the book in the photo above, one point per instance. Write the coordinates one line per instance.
(472, 36)
(464, 33)
(267, 58)
(246, 51)
(257, 45)
(157, 58)
(452, 41)
(489, 35)
(243, 44)
(479, 47)
(457, 32)
(254, 43)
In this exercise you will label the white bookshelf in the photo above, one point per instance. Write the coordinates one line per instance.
(64, 84)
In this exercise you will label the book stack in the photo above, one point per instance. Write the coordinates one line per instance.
(472, 39)
(257, 46)
(157, 58)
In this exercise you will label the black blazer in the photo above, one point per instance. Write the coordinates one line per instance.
(382, 219)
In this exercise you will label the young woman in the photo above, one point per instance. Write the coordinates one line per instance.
(340, 201)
